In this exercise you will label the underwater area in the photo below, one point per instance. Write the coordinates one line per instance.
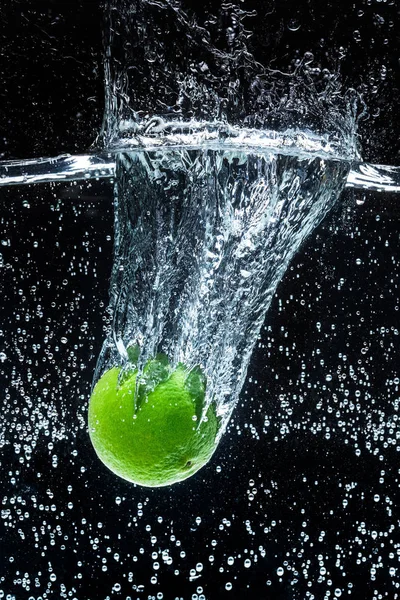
(208, 238)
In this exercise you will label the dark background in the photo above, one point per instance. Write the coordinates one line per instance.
(306, 479)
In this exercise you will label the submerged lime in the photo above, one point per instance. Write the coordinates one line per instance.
(150, 431)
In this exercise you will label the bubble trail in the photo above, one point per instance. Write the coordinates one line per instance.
(202, 239)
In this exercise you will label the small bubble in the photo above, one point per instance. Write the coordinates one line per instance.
(308, 58)
(293, 25)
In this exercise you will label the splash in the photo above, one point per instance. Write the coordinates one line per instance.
(173, 71)
(223, 167)
(202, 239)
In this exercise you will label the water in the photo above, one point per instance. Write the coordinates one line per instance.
(102, 166)
(293, 484)
(205, 229)
(171, 64)
(301, 497)
(203, 238)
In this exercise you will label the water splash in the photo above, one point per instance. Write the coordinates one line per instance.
(214, 78)
(202, 239)
(102, 166)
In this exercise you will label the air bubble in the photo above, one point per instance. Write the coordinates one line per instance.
(293, 25)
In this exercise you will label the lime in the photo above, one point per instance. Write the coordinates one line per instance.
(149, 430)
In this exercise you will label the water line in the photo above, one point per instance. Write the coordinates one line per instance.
(67, 167)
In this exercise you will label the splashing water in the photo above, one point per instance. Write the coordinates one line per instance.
(217, 79)
(237, 164)
(311, 510)
(223, 167)
(203, 238)
(64, 168)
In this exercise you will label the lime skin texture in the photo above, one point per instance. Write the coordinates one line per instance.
(151, 431)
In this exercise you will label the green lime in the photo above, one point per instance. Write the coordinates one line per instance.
(150, 431)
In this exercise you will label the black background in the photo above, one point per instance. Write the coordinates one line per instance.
(339, 297)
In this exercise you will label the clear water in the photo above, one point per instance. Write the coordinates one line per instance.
(301, 498)
(172, 65)
(102, 164)
(302, 493)
(203, 238)
(204, 232)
